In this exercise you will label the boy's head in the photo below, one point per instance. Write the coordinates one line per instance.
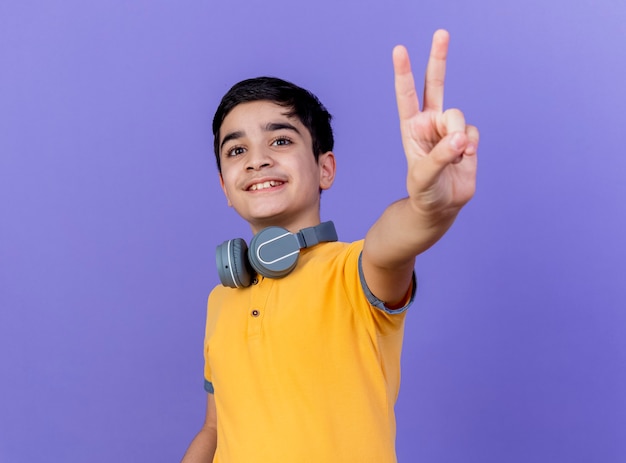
(299, 103)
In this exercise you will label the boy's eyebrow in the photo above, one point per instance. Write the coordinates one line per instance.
(273, 126)
(231, 136)
(269, 127)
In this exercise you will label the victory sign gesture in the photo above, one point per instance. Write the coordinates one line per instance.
(440, 147)
(440, 150)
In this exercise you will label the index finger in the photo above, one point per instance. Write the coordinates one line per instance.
(436, 71)
(406, 96)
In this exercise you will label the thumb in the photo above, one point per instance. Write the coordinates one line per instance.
(449, 150)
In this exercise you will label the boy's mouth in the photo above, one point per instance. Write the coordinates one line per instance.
(264, 185)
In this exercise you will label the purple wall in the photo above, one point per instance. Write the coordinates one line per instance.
(110, 211)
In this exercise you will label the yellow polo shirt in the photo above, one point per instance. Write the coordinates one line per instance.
(305, 368)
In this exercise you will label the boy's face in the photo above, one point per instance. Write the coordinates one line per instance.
(269, 174)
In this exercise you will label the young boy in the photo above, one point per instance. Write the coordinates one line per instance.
(304, 365)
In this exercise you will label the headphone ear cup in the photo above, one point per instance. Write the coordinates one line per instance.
(233, 267)
(274, 252)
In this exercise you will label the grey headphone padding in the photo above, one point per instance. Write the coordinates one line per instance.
(232, 263)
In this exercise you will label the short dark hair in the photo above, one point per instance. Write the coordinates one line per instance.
(299, 101)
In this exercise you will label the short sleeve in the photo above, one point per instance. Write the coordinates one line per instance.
(208, 381)
(410, 296)
(208, 386)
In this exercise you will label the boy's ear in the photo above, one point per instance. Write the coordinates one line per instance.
(224, 189)
(326, 162)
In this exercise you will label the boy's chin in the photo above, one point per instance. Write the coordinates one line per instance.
(260, 221)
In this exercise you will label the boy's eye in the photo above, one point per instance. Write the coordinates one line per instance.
(234, 151)
(282, 141)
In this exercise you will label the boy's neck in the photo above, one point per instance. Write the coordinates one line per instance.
(293, 226)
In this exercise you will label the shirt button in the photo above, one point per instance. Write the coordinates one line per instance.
(255, 313)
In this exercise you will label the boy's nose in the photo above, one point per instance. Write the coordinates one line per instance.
(258, 159)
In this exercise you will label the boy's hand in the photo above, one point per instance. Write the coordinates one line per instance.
(440, 148)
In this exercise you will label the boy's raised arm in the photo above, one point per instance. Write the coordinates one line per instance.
(440, 149)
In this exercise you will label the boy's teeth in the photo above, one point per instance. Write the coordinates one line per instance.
(260, 186)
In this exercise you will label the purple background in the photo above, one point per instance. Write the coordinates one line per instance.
(110, 212)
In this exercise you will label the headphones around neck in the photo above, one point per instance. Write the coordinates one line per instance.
(273, 253)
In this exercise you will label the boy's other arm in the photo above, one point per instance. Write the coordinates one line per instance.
(440, 150)
(202, 447)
